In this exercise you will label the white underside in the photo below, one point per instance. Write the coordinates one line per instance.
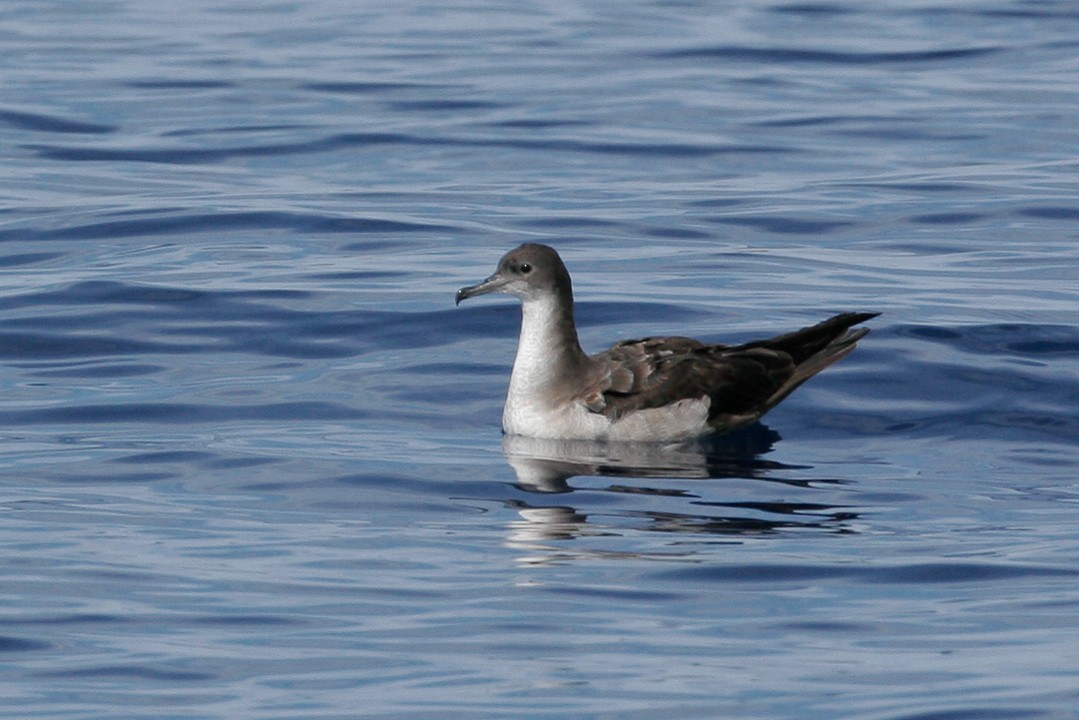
(683, 420)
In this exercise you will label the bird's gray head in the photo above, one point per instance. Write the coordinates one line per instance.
(529, 272)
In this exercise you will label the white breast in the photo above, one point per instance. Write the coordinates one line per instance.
(570, 421)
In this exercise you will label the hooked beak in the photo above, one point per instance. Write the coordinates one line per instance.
(492, 284)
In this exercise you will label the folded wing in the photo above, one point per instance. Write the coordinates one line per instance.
(742, 382)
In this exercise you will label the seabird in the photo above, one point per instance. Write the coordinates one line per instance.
(651, 389)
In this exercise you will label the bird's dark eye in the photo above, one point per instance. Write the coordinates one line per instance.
(525, 268)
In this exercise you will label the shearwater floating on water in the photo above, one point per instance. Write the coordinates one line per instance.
(650, 389)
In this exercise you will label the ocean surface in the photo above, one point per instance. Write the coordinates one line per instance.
(250, 451)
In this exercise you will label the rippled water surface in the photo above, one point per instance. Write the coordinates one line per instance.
(252, 465)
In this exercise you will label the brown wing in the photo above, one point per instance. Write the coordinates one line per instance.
(743, 382)
(653, 372)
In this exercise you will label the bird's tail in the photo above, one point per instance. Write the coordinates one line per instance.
(816, 347)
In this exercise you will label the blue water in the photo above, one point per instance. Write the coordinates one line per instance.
(251, 457)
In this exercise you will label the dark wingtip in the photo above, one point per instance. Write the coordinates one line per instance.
(853, 318)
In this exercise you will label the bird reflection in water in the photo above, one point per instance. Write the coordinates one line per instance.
(547, 466)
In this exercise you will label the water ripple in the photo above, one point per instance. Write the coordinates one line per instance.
(140, 672)
(1019, 339)
(333, 143)
(15, 644)
(915, 573)
(41, 122)
(183, 413)
(189, 222)
(787, 56)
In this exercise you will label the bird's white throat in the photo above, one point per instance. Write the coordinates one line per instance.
(547, 344)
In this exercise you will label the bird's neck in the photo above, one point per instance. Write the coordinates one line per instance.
(548, 351)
